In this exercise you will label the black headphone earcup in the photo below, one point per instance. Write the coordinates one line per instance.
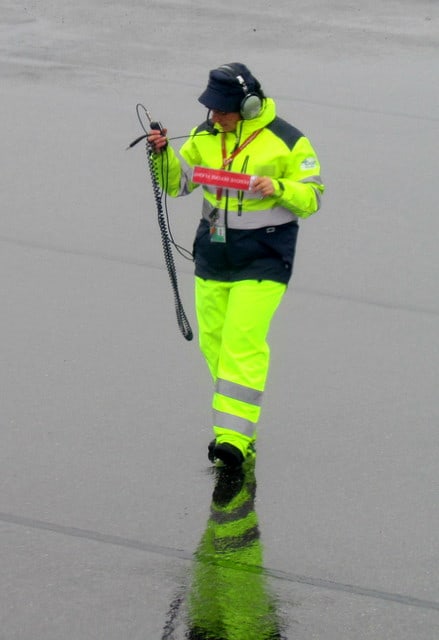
(251, 106)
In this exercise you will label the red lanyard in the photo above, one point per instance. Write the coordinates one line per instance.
(232, 156)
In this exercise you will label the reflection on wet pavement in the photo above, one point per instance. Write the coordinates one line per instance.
(228, 597)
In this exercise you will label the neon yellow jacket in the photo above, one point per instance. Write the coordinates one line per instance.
(258, 235)
(280, 152)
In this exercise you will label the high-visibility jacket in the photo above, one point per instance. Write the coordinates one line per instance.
(260, 233)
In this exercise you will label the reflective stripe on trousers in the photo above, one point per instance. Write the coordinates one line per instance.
(234, 319)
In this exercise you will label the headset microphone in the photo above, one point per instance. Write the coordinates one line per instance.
(209, 125)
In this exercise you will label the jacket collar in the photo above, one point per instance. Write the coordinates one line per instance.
(246, 127)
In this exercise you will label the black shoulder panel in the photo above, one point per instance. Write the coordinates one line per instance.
(202, 127)
(285, 131)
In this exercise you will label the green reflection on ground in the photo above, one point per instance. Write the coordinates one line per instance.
(229, 598)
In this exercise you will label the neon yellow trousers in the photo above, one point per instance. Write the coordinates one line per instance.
(234, 320)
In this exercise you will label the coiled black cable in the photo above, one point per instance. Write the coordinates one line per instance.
(163, 220)
(167, 242)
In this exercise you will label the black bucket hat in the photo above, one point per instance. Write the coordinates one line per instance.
(224, 91)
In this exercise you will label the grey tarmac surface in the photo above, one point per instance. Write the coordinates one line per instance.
(105, 409)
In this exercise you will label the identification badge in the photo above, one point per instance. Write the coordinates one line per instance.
(218, 233)
(217, 230)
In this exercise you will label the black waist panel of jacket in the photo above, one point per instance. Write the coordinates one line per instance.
(256, 254)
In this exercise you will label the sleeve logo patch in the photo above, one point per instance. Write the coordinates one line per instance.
(309, 163)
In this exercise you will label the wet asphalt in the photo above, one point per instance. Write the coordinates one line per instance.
(112, 522)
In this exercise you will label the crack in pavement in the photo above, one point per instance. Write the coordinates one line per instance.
(181, 554)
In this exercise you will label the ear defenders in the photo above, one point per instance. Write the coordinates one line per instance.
(251, 104)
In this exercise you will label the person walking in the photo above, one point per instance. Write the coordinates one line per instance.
(245, 242)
